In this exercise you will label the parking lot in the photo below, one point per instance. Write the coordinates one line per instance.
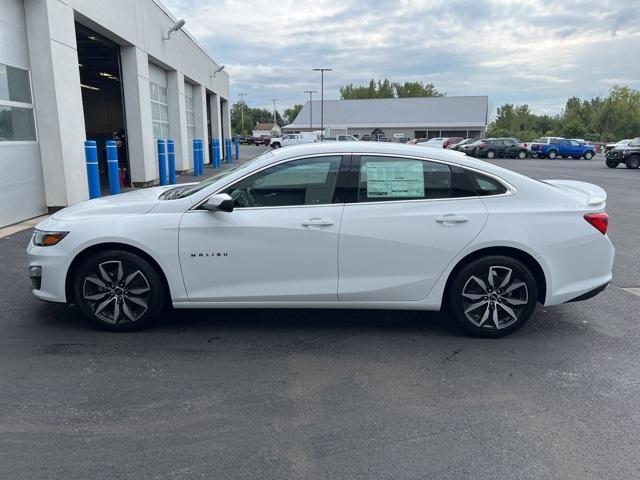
(273, 394)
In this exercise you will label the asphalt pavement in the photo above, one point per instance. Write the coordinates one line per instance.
(277, 394)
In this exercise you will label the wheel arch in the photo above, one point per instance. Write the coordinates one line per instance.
(98, 247)
(526, 258)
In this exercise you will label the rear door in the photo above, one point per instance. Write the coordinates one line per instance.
(411, 219)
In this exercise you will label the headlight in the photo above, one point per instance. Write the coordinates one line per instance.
(47, 239)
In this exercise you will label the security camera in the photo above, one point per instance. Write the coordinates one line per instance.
(178, 25)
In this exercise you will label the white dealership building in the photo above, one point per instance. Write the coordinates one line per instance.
(72, 70)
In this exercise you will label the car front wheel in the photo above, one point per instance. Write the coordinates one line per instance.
(493, 296)
(522, 154)
(611, 164)
(119, 291)
(588, 155)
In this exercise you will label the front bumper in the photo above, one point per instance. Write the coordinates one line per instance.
(47, 267)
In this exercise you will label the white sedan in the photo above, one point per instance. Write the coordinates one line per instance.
(332, 225)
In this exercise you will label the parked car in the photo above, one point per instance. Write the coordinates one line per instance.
(451, 141)
(554, 147)
(342, 138)
(457, 146)
(262, 140)
(221, 244)
(500, 147)
(470, 148)
(432, 142)
(293, 139)
(628, 154)
(618, 144)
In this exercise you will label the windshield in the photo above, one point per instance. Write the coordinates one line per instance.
(191, 189)
(635, 142)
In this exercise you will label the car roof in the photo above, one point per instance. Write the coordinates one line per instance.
(386, 148)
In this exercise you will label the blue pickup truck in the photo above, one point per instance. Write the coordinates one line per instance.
(554, 147)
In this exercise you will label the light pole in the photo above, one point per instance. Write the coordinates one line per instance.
(242, 95)
(311, 92)
(322, 70)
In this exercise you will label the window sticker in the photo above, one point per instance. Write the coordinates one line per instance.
(395, 179)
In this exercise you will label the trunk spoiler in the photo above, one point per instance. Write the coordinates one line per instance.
(592, 195)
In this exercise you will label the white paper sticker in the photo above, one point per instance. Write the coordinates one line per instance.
(395, 179)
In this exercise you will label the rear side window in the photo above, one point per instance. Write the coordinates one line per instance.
(391, 178)
(485, 185)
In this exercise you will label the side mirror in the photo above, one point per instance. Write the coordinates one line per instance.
(221, 202)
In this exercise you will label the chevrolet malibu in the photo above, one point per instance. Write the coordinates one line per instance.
(332, 225)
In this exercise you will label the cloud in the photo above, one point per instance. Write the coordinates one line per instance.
(538, 52)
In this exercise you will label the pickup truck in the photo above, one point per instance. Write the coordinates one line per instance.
(628, 154)
(554, 147)
(293, 139)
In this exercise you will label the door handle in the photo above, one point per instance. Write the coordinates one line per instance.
(317, 222)
(451, 218)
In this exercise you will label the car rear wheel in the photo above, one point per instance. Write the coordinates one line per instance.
(611, 164)
(493, 296)
(633, 162)
(552, 155)
(522, 154)
(119, 291)
(588, 155)
(491, 154)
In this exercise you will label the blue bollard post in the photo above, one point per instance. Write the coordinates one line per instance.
(112, 167)
(237, 148)
(162, 161)
(196, 158)
(227, 152)
(216, 153)
(93, 174)
(171, 155)
(200, 158)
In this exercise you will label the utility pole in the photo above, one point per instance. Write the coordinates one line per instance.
(242, 95)
(311, 92)
(322, 70)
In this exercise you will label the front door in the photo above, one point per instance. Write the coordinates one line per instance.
(412, 218)
(280, 243)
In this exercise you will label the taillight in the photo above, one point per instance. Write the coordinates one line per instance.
(599, 220)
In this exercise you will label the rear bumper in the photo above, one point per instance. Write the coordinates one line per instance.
(589, 294)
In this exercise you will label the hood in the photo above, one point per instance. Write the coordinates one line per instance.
(135, 202)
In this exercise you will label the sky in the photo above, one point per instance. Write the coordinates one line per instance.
(538, 52)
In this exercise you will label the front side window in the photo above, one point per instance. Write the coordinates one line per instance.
(391, 178)
(309, 181)
(17, 122)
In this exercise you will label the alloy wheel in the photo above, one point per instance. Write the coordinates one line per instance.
(116, 292)
(496, 300)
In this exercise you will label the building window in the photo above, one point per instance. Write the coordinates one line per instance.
(159, 111)
(17, 123)
(191, 115)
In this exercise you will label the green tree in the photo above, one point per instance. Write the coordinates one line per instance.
(416, 89)
(251, 117)
(290, 114)
(386, 89)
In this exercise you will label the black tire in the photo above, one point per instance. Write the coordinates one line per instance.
(493, 315)
(122, 301)
(588, 155)
(552, 155)
(491, 154)
(522, 154)
(633, 162)
(275, 145)
(611, 164)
